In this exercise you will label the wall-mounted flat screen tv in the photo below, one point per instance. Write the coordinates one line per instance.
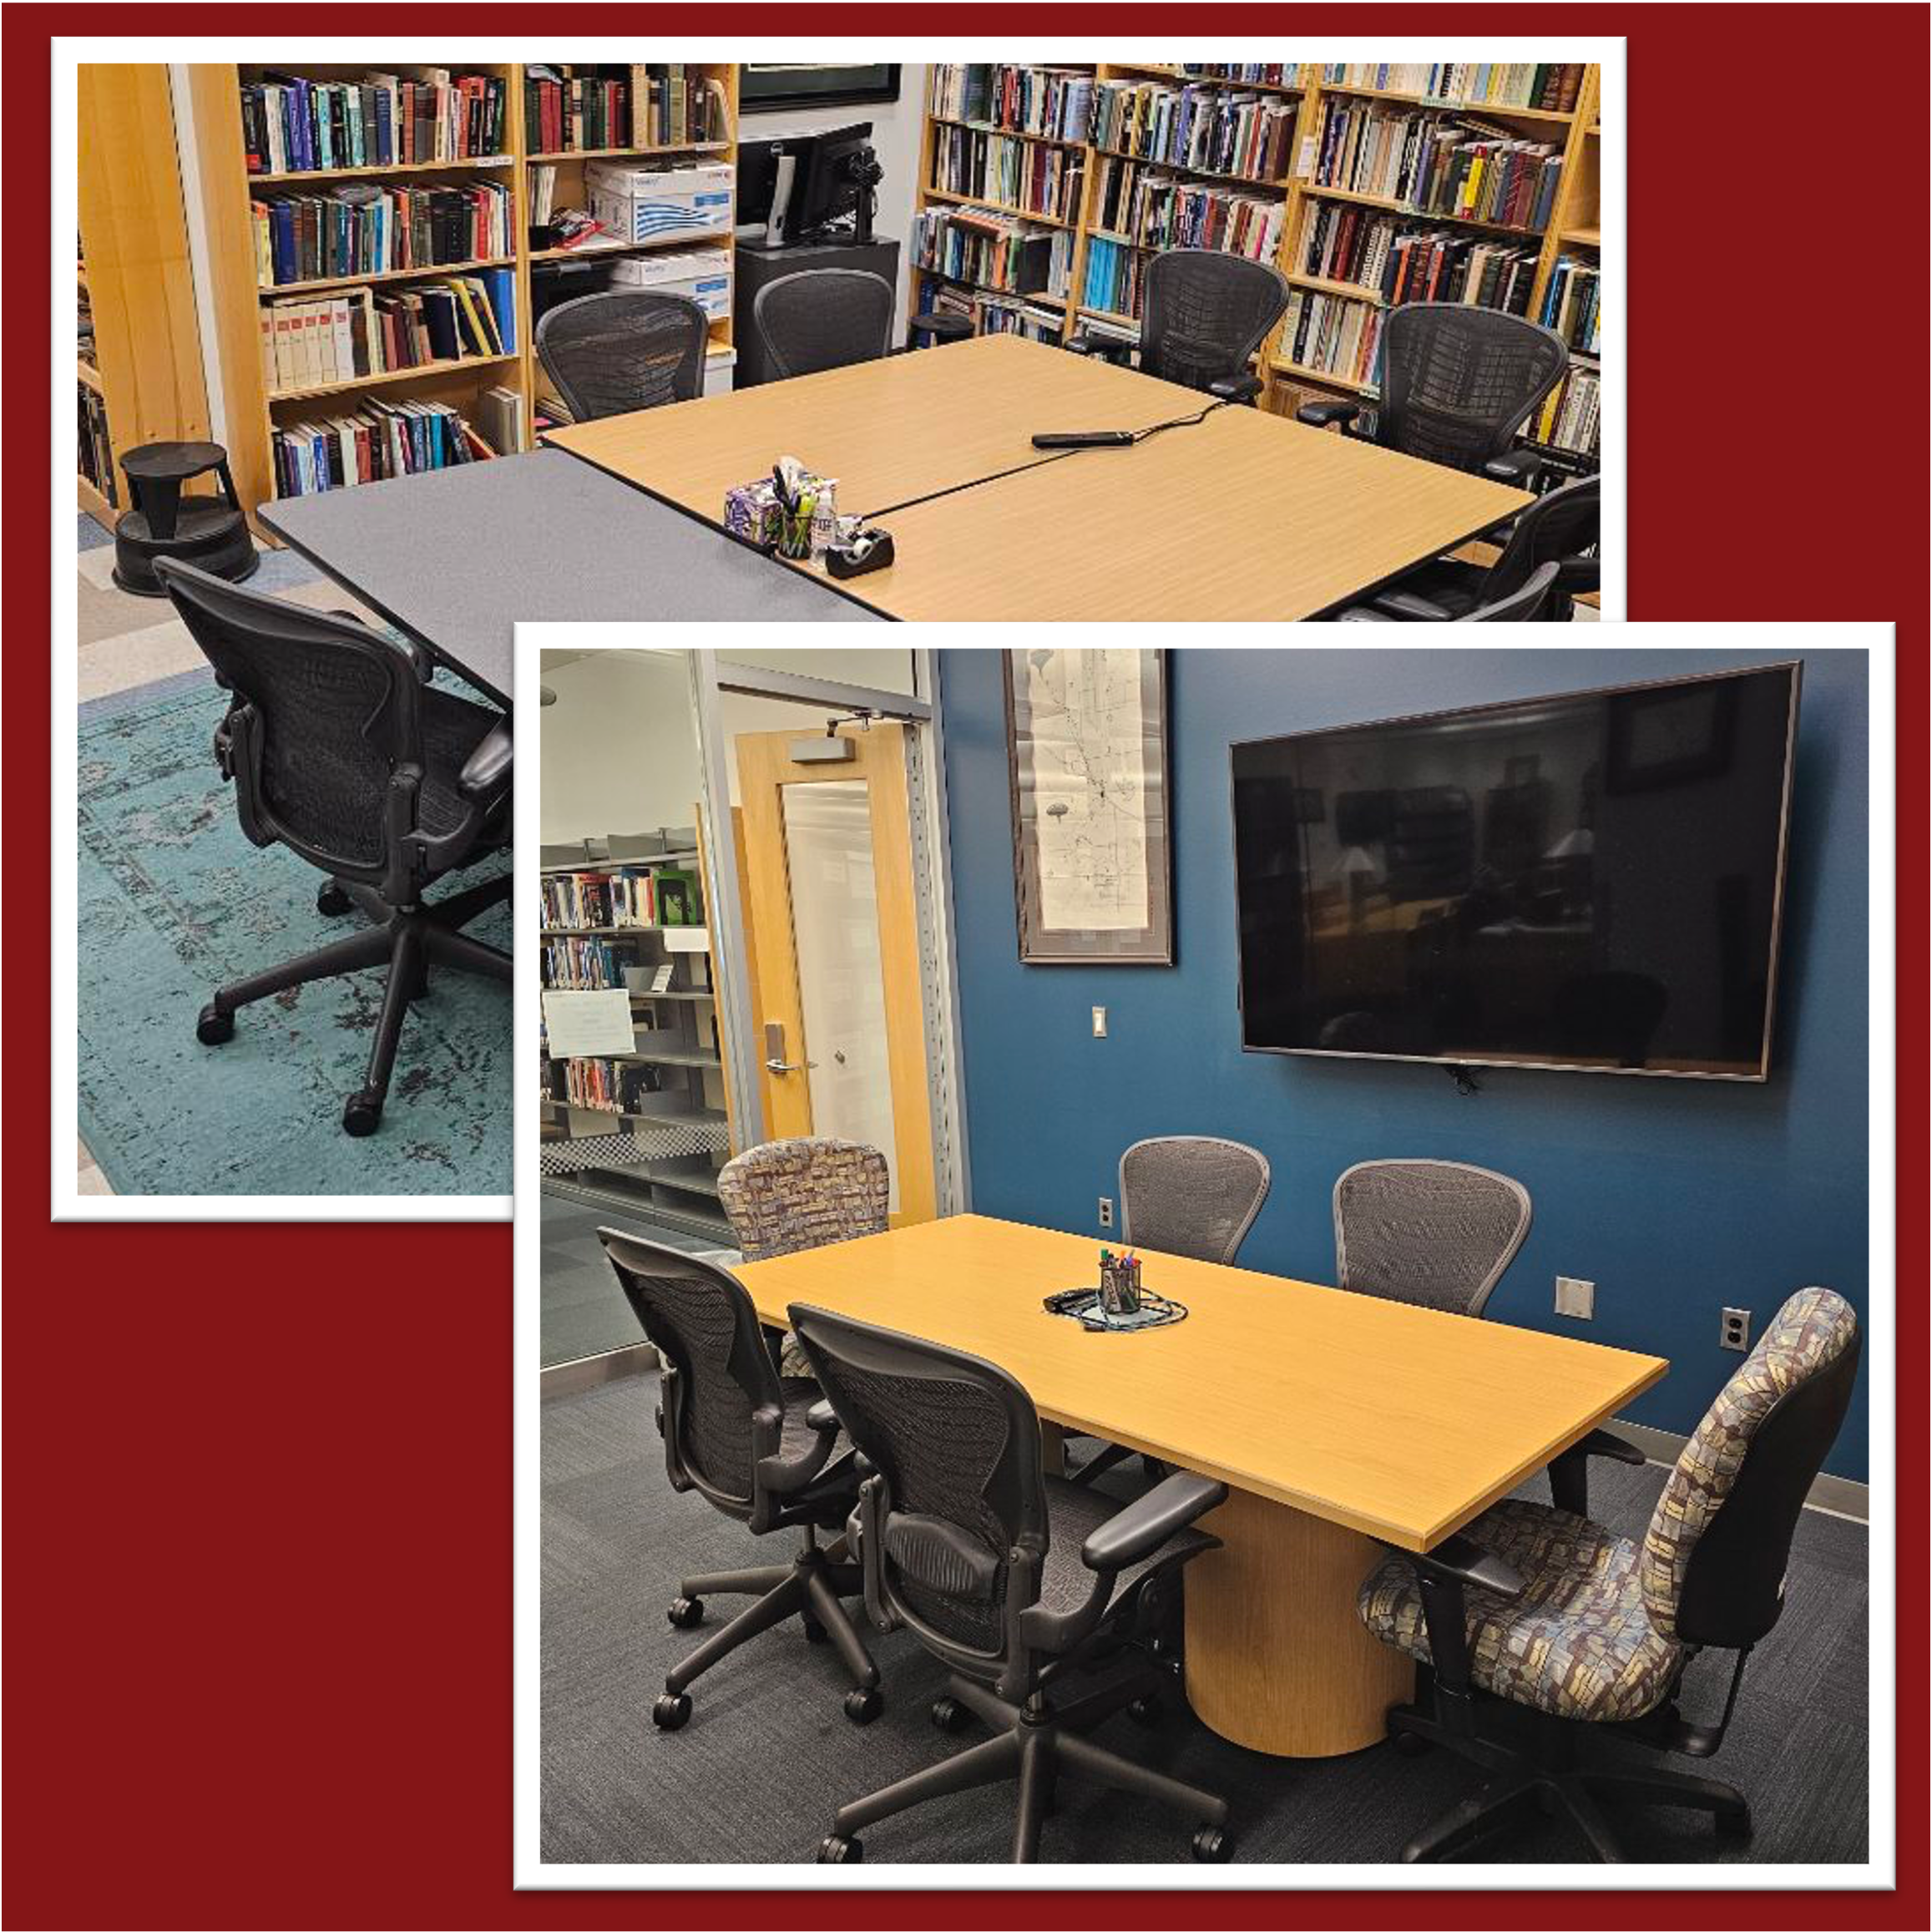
(1591, 882)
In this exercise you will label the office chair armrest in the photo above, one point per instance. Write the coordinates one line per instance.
(1146, 1523)
(1406, 607)
(1362, 613)
(776, 1476)
(487, 770)
(1235, 388)
(823, 1417)
(1327, 415)
(1569, 1472)
(1518, 467)
(1462, 1561)
(1105, 346)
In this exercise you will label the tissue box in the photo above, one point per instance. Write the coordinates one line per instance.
(703, 274)
(660, 204)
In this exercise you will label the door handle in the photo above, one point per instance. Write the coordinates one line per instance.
(775, 1060)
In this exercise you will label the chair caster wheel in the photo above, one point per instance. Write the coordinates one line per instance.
(361, 1115)
(949, 1715)
(815, 1631)
(1213, 1846)
(215, 1027)
(671, 1711)
(837, 1851)
(331, 902)
(1149, 1710)
(1733, 1824)
(1407, 1744)
(685, 1613)
(863, 1705)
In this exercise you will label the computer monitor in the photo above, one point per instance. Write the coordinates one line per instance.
(794, 186)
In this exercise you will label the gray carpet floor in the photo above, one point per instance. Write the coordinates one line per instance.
(768, 1756)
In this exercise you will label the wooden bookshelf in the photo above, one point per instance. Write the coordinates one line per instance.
(253, 411)
(1573, 224)
(134, 271)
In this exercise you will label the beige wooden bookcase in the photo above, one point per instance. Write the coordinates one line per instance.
(134, 267)
(252, 410)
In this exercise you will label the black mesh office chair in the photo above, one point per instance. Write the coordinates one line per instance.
(824, 318)
(622, 350)
(1561, 528)
(1458, 382)
(1012, 1579)
(746, 1440)
(1204, 313)
(1530, 602)
(1439, 1234)
(1185, 1194)
(341, 752)
(1544, 1610)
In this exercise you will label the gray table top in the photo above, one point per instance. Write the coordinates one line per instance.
(455, 558)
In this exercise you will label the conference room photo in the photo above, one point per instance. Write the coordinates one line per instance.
(376, 358)
(1170, 1260)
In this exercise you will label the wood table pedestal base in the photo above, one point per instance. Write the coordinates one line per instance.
(1277, 1660)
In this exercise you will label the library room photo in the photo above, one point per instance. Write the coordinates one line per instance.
(377, 359)
(1171, 1258)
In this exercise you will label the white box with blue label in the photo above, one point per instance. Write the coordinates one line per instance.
(661, 204)
(704, 274)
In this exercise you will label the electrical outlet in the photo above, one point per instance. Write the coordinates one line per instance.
(1100, 1022)
(1576, 1298)
(1735, 1330)
(1106, 1211)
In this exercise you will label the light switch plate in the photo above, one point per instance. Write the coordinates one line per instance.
(1100, 1022)
(1576, 1298)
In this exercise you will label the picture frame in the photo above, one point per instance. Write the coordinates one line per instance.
(779, 87)
(1086, 742)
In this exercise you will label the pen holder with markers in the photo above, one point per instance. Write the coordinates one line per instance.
(790, 513)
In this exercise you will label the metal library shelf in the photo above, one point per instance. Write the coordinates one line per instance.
(251, 409)
(1573, 223)
(656, 1153)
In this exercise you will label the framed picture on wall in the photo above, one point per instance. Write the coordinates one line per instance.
(1086, 740)
(771, 86)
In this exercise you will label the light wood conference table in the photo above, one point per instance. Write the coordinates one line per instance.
(1332, 1418)
(1244, 516)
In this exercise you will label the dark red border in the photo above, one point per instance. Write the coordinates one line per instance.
(258, 1523)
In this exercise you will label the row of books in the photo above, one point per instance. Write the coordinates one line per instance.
(609, 1086)
(1270, 73)
(1343, 241)
(994, 315)
(294, 125)
(1368, 149)
(576, 110)
(372, 228)
(1553, 86)
(1047, 101)
(993, 250)
(1030, 175)
(1158, 211)
(361, 331)
(582, 965)
(1111, 276)
(1573, 304)
(625, 896)
(97, 454)
(1478, 175)
(1332, 335)
(379, 440)
(1570, 417)
(1203, 128)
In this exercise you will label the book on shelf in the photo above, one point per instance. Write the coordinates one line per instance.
(1011, 315)
(1332, 335)
(1208, 128)
(1478, 174)
(1365, 149)
(994, 250)
(1267, 74)
(1032, 176)
(1572, 304)
(609, 1086)
(1345, 242)
(500, 420)
(380, 439)
(292, 124)
(1570, 417)
(1054, 104)
(377, 228)
(1111, 276)
(310, 343)
(615, 896)
(1552, 87)
(582, 965)
(568, 108)
(1154, 210)
(97, 454)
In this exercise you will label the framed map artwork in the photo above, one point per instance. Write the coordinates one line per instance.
(1086, 739)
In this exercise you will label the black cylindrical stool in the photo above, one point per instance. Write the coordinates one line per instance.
(930, 329)
(209, 532)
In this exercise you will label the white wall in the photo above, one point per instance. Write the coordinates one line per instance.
(620, 750)
(895, 133)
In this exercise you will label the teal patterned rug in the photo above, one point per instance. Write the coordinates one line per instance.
(174, 902)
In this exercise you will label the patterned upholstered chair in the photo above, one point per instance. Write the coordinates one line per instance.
(758, 1447)
(1185, 1194)
(1550, 1611)
(788, 1196)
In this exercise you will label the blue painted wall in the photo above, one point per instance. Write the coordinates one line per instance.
(1678, 1198)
